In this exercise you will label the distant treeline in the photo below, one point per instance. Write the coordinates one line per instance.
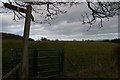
(105, 40)
(17, 37)
(46, 39)
(12, 36)
(113, 41)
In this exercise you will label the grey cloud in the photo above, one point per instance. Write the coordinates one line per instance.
(76, 30)
(67, 26)
(11, 26)
(73, 14)
(110, 26)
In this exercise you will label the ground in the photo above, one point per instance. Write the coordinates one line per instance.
(81, 59)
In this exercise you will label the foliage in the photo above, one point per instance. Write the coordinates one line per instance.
(115, 40)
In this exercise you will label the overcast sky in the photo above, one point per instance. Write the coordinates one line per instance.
(66, 26)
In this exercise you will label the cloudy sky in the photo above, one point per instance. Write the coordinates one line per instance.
(66, 26)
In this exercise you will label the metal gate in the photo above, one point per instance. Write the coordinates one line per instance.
(43, 63)
(47, 63)
(14, 61)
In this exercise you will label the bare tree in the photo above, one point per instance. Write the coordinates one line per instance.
(45, 10)
(101, 10)
(49, 10)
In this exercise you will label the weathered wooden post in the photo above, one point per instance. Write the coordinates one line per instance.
(25, 58)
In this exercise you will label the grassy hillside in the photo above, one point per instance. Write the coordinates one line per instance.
(82, 59)
(12, 36)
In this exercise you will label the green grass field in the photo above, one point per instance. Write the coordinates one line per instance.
(81, 59)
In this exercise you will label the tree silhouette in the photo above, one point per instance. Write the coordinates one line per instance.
(101, 10)
(44, 39)
(49, 10)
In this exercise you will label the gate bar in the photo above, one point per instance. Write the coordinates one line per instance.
(50, 76)
(48, 64)
(48, 71)
(47, 57)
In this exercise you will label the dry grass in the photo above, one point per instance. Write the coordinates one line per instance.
(86, 59)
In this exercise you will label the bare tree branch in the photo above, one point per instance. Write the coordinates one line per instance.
(101, 10)
(49, 10)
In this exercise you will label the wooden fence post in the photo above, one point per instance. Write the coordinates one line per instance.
(35, 63)
(25, 57)
(62, 62)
